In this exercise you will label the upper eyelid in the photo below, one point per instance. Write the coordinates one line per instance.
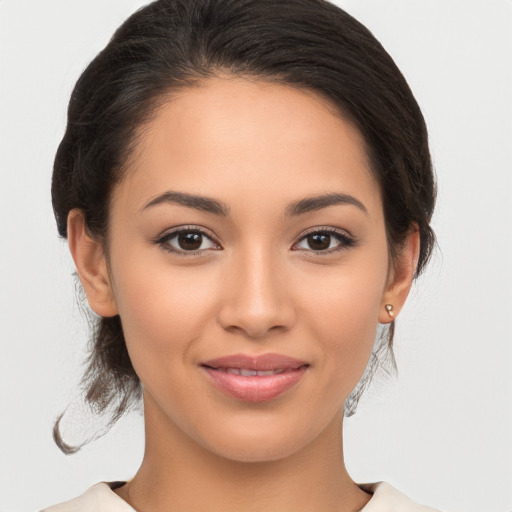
(346, 240)
(181, 229)
(164, 240)
(325, 229)
(164, 243)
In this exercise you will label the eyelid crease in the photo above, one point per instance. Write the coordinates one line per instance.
(326, 229)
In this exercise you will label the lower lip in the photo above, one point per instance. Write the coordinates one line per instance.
(255, 388)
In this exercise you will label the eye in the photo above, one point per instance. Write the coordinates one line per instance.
(189, 240)
(325, 240)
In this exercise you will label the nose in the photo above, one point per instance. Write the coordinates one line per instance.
(257, 296)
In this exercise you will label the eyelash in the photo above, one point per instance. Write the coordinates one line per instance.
(164, 241)
(345, 241)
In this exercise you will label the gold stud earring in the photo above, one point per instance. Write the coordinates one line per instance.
(389, 309)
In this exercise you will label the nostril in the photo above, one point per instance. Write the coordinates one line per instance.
(256, 323)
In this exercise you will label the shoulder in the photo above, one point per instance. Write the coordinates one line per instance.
(387, 499)
(96, 499)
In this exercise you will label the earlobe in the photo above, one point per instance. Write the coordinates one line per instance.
(91, 265)
(400, 278)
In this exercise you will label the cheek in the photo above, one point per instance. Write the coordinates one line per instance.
(163, 309)
(344, 318)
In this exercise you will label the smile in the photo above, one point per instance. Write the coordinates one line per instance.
(254, 378)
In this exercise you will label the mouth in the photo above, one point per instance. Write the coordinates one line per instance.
(246, 372)
(255, 378)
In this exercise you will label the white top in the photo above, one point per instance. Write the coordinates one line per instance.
(101, 498)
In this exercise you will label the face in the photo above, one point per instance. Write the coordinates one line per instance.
(249, 264)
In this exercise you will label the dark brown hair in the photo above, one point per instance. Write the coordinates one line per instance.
(171, 44)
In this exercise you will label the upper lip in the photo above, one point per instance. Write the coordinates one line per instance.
(256, 362)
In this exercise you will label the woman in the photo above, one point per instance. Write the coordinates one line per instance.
(246, 189)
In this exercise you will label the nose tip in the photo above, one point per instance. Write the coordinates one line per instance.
(256, 302)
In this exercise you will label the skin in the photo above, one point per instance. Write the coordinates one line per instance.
(255, 286)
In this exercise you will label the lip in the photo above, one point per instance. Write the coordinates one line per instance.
(255, 388)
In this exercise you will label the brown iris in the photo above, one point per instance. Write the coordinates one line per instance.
(319, 241)
(190, 240)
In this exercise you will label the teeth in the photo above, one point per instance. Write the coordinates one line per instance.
(251, 373)
(248, 373)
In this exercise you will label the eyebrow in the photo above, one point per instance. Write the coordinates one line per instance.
(209, 205)
(310, 204)
(204, 204)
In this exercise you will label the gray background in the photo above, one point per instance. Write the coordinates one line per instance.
(442, 431)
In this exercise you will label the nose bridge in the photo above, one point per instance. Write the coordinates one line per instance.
(258, 300)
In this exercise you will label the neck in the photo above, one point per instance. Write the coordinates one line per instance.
(178, 474)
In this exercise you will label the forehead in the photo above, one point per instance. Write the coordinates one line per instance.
(231, 136)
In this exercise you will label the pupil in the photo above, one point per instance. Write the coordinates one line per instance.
(189, 241)
(319, 241)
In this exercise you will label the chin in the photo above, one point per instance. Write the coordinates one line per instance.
(259, 443)
(249, 452)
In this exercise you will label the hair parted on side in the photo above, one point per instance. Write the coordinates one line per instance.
(173, 44)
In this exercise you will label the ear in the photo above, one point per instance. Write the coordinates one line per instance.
(91, 266)
(400, 278)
